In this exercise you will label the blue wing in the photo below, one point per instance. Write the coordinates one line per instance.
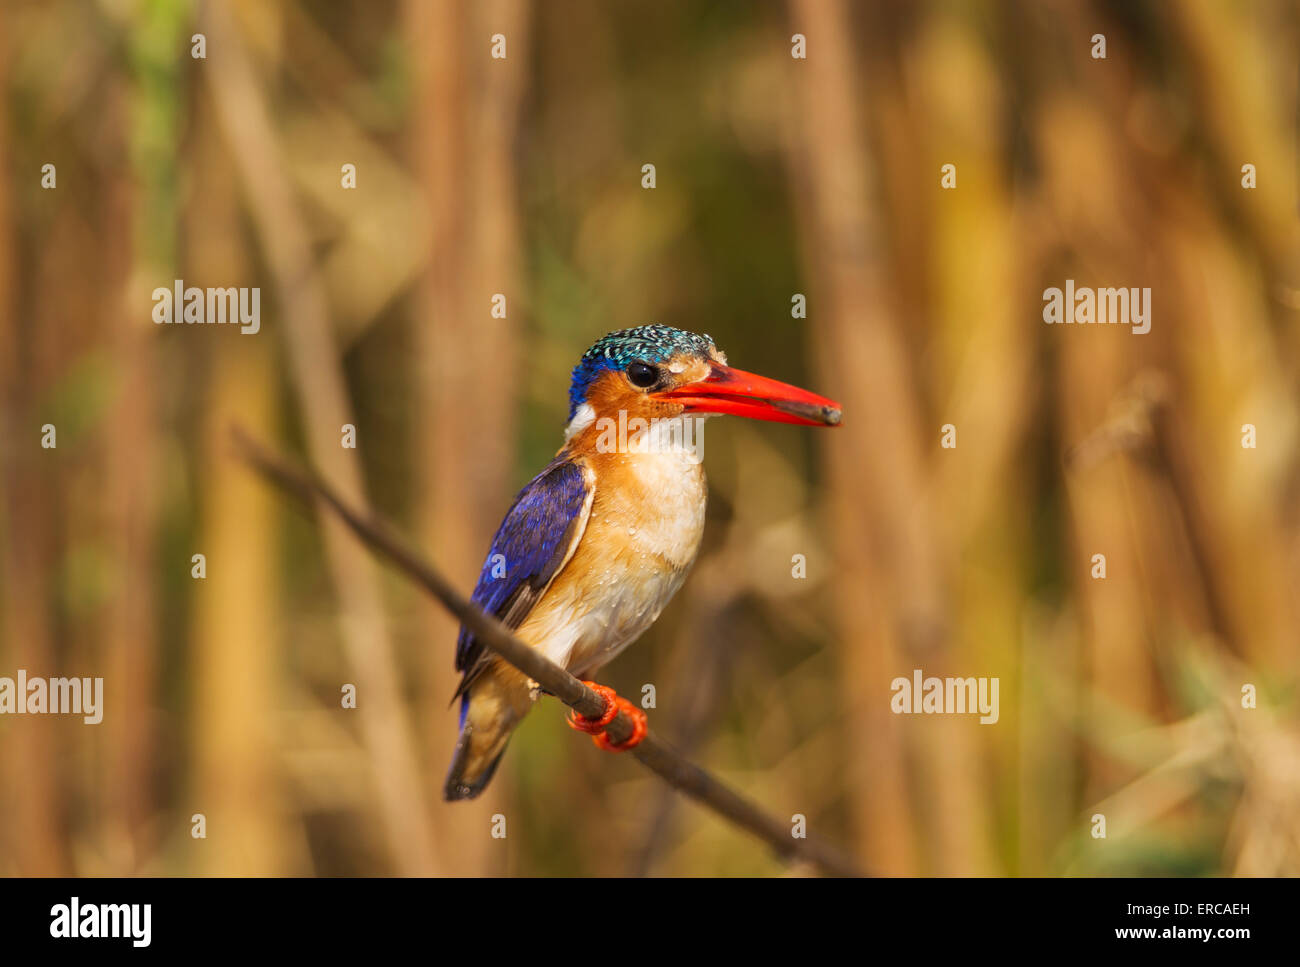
(536, 539)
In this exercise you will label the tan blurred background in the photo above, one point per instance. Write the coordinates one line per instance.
(775, 176)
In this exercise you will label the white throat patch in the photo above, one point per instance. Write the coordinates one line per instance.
(582, 418)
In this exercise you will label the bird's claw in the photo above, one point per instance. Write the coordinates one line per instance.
(580, 722)
(614, 704)
(639, 729)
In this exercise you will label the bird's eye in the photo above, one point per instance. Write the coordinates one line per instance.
(642, 374)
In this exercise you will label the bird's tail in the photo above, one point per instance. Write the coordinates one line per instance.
(489, 711)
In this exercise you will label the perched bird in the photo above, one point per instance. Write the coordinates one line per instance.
(596, 544)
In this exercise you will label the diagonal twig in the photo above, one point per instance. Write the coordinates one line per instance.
(655, 754)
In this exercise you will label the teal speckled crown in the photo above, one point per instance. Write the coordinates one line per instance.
(650, 344)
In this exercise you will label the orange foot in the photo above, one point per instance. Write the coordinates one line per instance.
(614, 703)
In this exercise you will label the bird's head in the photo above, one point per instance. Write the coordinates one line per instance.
(657, 372)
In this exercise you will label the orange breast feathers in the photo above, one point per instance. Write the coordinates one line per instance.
(644, 530)
(631, 560)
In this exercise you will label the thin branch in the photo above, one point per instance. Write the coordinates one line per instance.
(652, 752)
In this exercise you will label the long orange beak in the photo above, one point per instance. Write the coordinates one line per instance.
(727, 390)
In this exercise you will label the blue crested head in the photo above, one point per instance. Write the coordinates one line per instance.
(619, 349)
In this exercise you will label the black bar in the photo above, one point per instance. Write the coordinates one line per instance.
(450, 917)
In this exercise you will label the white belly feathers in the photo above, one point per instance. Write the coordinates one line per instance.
(640, 541)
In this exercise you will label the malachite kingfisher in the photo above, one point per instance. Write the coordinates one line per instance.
(595, 545)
